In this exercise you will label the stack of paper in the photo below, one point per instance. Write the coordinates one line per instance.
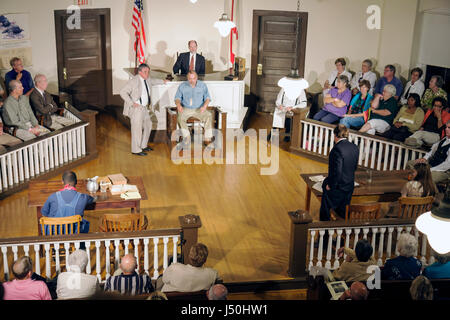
(318, 178)
(318, 186)
(122, 188)
(117, 178)
(129, 195)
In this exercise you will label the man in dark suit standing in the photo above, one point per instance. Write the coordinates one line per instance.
(191, 60)
(338, 186)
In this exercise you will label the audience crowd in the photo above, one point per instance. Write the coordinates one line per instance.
(27, 110)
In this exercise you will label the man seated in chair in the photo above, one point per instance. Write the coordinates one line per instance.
(191, 60)
(68, 201)
(192, 99)
(17, 112)
(43, 105)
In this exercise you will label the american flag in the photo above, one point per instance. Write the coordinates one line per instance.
(138, 25)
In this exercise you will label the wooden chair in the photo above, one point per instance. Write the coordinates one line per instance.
(358, 212)
(218, 116)
(412, 207)
(62, 225)
(117, 222)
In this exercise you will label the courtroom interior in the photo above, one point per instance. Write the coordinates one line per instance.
(225, 150)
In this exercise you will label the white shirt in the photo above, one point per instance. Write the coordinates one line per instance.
(299, 102)
(144, 97)
(334, 73)
(369, 76)
(75, 285)
(186, 278)
(40, 91)
(444, 166)
(418, 87)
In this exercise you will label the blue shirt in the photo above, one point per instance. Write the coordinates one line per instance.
(395, 82)
(50, 208)
(27, 81)
(192, 98)
(401, 268)
(437, 271)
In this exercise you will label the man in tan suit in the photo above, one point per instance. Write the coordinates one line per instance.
(137, 106)
(43, 105)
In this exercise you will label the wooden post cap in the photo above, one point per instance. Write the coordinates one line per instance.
(300, 216)
(190, 221)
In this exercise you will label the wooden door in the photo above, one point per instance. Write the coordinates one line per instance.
(276, 43)
(84, 58)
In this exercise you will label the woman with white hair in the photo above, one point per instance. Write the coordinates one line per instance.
(382, 112)
(405, 266)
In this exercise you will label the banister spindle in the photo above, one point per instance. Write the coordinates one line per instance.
(166, 255)
(155, 258)
(329, 248)
(311, 249)
(146, 262)
(320, 249)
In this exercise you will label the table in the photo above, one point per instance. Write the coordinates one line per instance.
(40, 190)
(385, 184)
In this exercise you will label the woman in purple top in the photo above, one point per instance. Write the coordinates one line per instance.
(336, 102)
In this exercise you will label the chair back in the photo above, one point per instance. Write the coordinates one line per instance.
(412, 207)
(119, 222)
(363, 211)
(62, 225)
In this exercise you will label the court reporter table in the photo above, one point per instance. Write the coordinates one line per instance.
(40, 190)
(386, 186)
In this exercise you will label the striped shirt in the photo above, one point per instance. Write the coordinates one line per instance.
(129, 284)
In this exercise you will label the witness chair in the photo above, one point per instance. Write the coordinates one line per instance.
(218, 116)
(360, 212)
(60, 226)
(117, 222)
(412, 207)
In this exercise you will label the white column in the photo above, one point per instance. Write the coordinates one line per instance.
(146, 264)
(381, 247)
(166, 256)
(36, 160)
(310, 131)
(319, 252)
(5, 262)
(10, 171)
(58, 268)
(338, 245)
(399, 231)
(325, 144)
(365, 232)
(136, 253)
(126, 243)
(88, 251)
(67, 250)
(107, 259)
(69, 145)
(83, 141)
(45, 155)
(14, 250)
(26, 164)
(423, 259)
(64, 145)
(329, 248)
(357, 231)
(26, 250)
(155, 258)
(116, 254)
(97, 260)
(321, 139)
(15, 169)
(374, 237)
(37, 265)
(41, 156)
(348, 232)
(20, 161)
(389, 243)
(311, 249)
(51, 151)
(175, 251)
(31, 156)
(48, 272)
(315, 139)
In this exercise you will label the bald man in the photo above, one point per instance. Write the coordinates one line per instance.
(357, 291)
(217, 292)
(23, 287)
(128, 282)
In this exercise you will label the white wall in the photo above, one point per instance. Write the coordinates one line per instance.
(335, 28)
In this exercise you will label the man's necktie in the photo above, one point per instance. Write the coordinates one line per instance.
(191, 64)
(148, 94)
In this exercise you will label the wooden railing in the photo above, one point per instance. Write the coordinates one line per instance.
(307, 247)
(375, 152)
(49, 154)
(152, 249)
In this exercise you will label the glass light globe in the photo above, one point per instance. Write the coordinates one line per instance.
(437, 230)
(224, 25)
(292, 87)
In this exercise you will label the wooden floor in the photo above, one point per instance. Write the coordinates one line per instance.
(244, 214)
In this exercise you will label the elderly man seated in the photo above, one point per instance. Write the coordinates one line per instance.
(43, 104)
(357, 291)
(190, 277)
(217, 292)
(75, 283)
(129, 282)
(354, 268)
(17, 112)
(23, 287)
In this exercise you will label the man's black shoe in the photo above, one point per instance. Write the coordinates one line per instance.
(139, 153)
(269, 136)
(148, 149)
(287, 139)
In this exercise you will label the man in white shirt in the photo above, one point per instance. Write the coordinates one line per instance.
(137, 106)
(366, 73)
(415, 85)
(439, 158)
(190, 277)
(283, 105)
(75, 283)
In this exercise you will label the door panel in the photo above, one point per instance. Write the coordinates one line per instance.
(83, 58)
(276, 43)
